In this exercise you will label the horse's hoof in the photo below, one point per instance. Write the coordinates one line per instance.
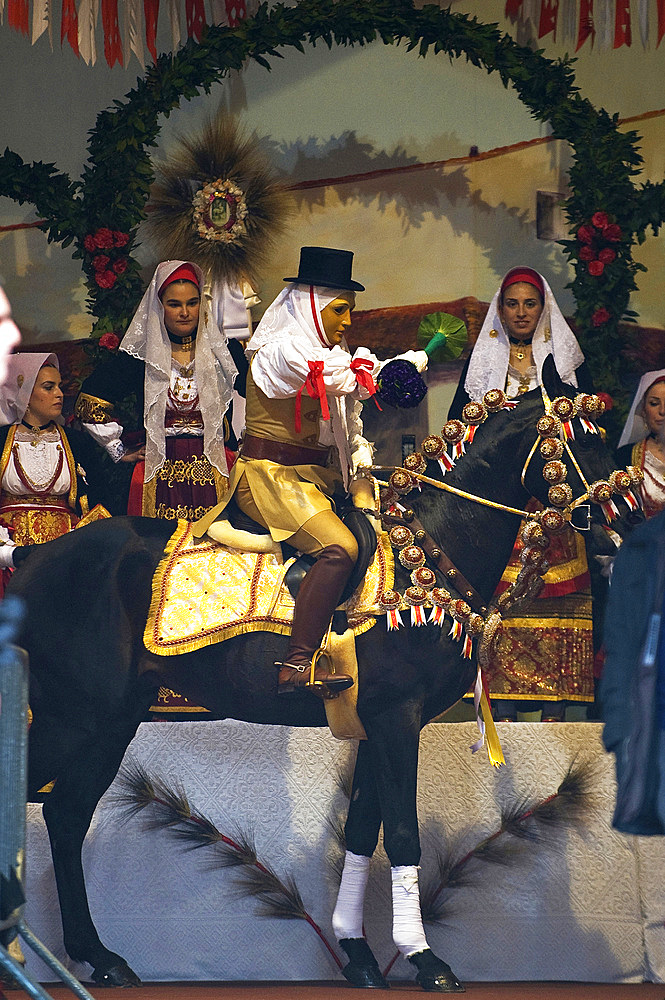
(117, 975)
(363, 969)
(434, 975)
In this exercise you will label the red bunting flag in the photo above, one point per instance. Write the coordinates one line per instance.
(236, 11)
(661, 21)
(196, 18)
(513, 9)
(69, 25)
(586, 25)
(18, 15)
(112, 40)
(622, 34)
(151, 13)
(549, 12)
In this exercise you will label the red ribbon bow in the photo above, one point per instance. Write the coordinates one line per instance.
(361, 368)
(316, 390)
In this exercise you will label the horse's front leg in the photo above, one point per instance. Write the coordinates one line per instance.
(393, 741)
(362, 833)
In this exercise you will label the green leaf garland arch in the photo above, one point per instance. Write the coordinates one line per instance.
(101, 213)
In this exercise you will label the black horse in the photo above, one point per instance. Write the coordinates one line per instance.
(87, 596)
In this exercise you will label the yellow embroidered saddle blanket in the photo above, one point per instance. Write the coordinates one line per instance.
(204, 592)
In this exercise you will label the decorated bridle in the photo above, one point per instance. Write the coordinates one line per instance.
(470, 618)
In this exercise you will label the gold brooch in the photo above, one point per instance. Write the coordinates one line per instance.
(494, 334)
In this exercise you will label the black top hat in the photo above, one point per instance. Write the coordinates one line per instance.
(327, 268)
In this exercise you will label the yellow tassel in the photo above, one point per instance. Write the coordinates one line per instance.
(494, 750)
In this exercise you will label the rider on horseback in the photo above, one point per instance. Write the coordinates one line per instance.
(303, 444)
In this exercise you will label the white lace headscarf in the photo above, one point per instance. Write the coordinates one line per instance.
(9, 334)
(636, 427)
(488, 366)
(295, 316)
(147, 339)
(22, 372)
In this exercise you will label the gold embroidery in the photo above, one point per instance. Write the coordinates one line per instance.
(203, 592)
(196, 470)
(180, 513)
(92, 410)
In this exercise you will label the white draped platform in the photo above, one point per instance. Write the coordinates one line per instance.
(590, 906)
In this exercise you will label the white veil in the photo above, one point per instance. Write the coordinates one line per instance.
(488, 366)
(635, 428)
(214, 370)
(293, 317)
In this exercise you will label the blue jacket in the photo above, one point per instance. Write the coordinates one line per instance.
(633, 675)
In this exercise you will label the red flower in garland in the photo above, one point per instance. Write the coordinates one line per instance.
(600, 220)
(104, 238)
(120, 239)
(607, 255)
(607, 400)
(587, 253)
(89, 243)
(100, 262)
(612, 233)
(105, 279)
(595, 268)
(120, 266)
(599, 318)
(109, 340)
(585, 234)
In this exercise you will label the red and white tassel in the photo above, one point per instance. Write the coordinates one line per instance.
(393, 619)
(458, 449)
(567, 429)
(467, 649)
(437, 616)
(446, 463)
(588, 425)
(418, 615)
(470, 433)
(631, 500)
(456, 631)
(610, 511)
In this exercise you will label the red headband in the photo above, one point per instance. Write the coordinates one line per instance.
(185, 272)
(526, 274)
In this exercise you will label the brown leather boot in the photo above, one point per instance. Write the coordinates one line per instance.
(317, 599)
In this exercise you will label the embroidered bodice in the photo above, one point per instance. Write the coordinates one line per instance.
(35, 458)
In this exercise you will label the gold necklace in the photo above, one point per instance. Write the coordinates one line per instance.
(520, 347)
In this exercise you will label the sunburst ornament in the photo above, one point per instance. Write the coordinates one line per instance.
(215, 201)
(220, 211)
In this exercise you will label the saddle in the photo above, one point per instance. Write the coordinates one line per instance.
(354, 519)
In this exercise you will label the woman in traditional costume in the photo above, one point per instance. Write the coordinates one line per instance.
(176, 362)
(44, 490)
(544, 658)
(642, 441)
(304, 444)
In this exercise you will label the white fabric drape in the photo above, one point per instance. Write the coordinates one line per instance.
(488, 366)
(284, 343)
(22, 372)
(635, 428)
(214, 370)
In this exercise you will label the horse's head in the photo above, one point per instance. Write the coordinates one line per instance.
(570, 469)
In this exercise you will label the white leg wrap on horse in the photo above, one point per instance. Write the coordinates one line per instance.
(347, 919)
(408, 933)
